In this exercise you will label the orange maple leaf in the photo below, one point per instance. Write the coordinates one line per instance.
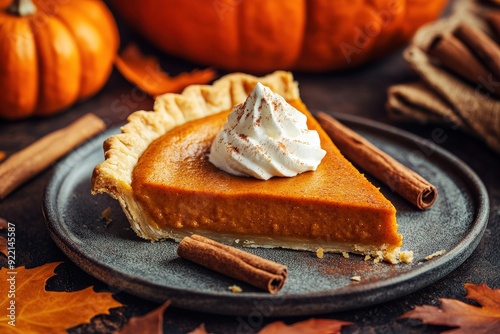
(467, 318)
(3, 246)
(145, 72)
(199, 330)
(32, 309)
(312, 326)
(3, 224)
(3, 241)
(150, 323)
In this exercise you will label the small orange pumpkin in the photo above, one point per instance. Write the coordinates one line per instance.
(264, 35)
(52, 54)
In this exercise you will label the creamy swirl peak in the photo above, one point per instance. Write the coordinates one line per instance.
(265, 137)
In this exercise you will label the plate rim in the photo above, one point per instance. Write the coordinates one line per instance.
(320, 299)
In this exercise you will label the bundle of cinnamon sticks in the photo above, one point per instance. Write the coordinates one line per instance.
(471, 54)
(458, 61)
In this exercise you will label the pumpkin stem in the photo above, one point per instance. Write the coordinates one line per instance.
(22, 7)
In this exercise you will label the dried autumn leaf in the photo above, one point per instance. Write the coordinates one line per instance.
(150, 323)
(3, 241)
(145, 72)
(3, 224)
(41, 311)
(313, 326)
(199, 330)
(3, 246)
(468, 318)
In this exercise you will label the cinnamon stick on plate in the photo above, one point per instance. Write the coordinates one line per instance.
(28, 162)
(361, 152)
(259, 272)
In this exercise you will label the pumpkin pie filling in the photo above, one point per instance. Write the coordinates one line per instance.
(331, 207)
(159, 171)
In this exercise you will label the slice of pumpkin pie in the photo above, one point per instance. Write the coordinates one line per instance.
(262, 174)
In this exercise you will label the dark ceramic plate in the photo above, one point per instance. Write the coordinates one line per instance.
(115, 255)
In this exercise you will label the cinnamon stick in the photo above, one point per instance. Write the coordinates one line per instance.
(484, 48)
(493, 21)
(23, 165)
(361, 152)
(259, 272)
(453, 55)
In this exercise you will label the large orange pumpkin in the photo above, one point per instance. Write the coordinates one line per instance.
(53, 53)
(264, 35)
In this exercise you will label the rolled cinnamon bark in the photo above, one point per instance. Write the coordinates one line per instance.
(493, 21)
(481, 45)
(386, 169)
(28, 162)
(453, 55)
(259, 272)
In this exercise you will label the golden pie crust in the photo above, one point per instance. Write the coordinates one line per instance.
(183, 112)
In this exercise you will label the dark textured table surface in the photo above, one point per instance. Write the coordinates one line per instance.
(361, 92)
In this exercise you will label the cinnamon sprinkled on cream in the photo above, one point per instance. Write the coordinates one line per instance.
(265, 137)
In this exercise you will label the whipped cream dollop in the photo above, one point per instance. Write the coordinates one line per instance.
(265, 137)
